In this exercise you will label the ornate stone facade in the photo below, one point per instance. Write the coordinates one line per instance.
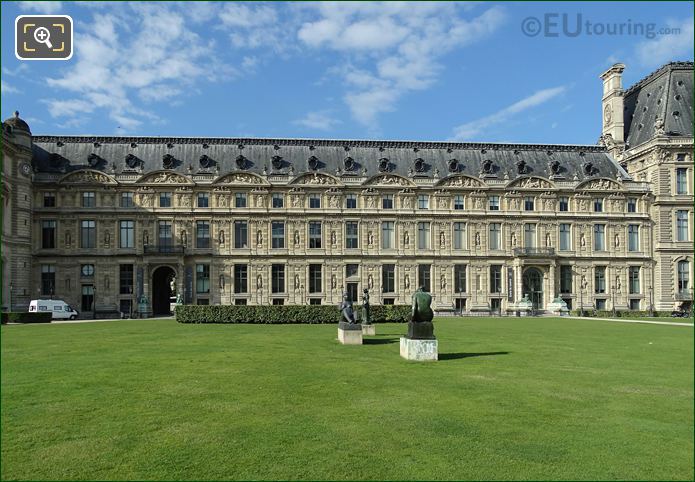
(262, 221)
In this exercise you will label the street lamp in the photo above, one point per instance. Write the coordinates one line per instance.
(613, 313)
(130, 292)
(11, 290)
(651, 303)
(94, 303)
(460, 300)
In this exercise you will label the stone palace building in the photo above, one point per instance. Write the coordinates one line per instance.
(101, 221)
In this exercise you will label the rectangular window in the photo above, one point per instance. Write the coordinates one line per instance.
(315, 234)
(314, 201)
(599, 237)
(48, 234)
(529, 235)
(240, 200)
(48, 279)
(351, 235)
(87, 297)
(388, 235)
(565, 237)
(389, 301)
(388, 278)
(387, 201)
(633, 237)
(423, 235)
(314, 301)
(125, 277)
(127, 200)
(681, 181)
(459, 235)
(423, 201)
(277, 234)
(241, 278)
(202, 278)
(460, 278)
(166, 236)
(632, 205)
(495, 278)
(352, 270)
(88, 234)
(202, 234)
(528, 203)
(458, 202)
(89, 200)
(165, 200)
(351, 201)
(203, 200)
(564, 203)
(126, 234)
(565, 279)
(423, 276)
(682, 225)
(494, 203)
(241, 234)
(315, 278)
(600, 279)
(633, 280)
(598, 205)
(635, 305)
(278, 200)
(495, 236)
(683, 276)
(49, 200)
(239, 302)
(278, 301)
(277, 275)
(601, 304)
(680, 157)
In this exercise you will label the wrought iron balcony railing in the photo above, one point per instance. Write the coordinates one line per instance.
(164, 249)
(534, 251)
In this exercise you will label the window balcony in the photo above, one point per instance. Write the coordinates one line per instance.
(174, 249)
(684, 296)
(538, 252)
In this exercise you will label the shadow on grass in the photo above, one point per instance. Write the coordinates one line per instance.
(379, 341)
(456, 356)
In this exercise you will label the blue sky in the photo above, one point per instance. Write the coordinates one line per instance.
(422, 71)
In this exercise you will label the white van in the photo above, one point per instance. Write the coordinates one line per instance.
(59, 309)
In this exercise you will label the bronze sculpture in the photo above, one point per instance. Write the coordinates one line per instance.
(365, 308)
(346, 309)
(420, 326)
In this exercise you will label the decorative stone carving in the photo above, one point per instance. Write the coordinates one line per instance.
(87, 177)
(461, 181)
(600, 185)
(531, 183)
(387, 180)
(240, 178)
(165, 178)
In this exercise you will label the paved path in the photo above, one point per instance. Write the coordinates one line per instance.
(621, 320)
(60, 322)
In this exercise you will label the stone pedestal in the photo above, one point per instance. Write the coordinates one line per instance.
(419, 350)
(368, 330)
(421, 330)
(350, 333)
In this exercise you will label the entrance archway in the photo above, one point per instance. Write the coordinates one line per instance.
(161, 292)
(532, 285)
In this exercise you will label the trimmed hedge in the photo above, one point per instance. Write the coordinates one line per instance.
(620, 314)
(280, 314)
(25, 317)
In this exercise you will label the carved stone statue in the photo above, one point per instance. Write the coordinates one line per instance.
(547, 240)
(582, 240)
(616, 240)
(334, 282)
(172, 286)
(107, 238)
(442, 240)
(370, 238)
(365, 307)
(296, 238)
(296, 282)
(442, 282)
(259, 282)
(370, 282)
(477, 239)
(406, 238)
(346, 309)
(406, 282)
(333, 238)
(179, 299)
(514, 239)
(259, 238)
(221, 236)
(146, 238)
(184, 238)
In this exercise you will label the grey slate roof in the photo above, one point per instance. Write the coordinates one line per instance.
(65, 154)
(666, 93)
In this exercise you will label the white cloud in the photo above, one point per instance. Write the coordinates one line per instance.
(45, 8)
(391, 49)
(470, 130)
(667, 47)
(319, 120)
(6, 88)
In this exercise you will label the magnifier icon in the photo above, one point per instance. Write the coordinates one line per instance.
(43, 36)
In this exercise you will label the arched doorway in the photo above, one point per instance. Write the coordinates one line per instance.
(161, 291)
(532, 285)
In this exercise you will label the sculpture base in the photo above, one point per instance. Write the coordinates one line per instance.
(421, 330)
(368, 330)
(350, 333)
(419, 350)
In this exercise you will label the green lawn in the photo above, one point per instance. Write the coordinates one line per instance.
(529, 398)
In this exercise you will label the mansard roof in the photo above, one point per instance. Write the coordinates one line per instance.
(665, 95)
(341, 158)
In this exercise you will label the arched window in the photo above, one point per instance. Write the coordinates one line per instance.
(683, 276)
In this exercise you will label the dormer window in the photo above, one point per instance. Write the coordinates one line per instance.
(168, 161)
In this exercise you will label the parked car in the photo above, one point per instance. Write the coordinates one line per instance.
(59, 309)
